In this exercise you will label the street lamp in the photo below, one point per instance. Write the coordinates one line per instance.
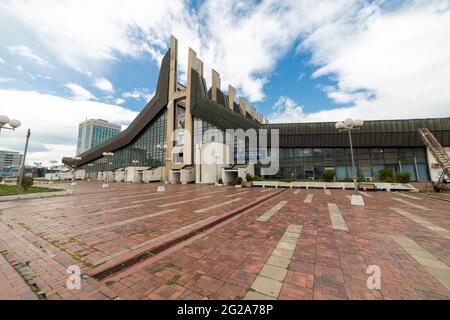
(22, 167)
(12, 124)
(161, 149)
(349, 125)
(107, 155)
(52, 167)
(90, 171)
(74, 170)
(216, 158)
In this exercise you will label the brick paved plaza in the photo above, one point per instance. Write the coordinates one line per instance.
(205, 242)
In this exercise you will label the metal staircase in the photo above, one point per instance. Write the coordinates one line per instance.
(437, 151)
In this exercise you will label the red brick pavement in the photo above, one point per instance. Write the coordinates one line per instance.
(41, 237)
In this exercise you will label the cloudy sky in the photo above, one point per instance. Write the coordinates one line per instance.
(64, 61)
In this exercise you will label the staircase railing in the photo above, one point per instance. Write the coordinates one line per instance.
(436, 150)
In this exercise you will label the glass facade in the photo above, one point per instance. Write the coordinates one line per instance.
(309, 163)
(101, 134)
(295, 163)
(80, 133)
(141, 152)
(94, 134)
(87, 138)
(204, 131)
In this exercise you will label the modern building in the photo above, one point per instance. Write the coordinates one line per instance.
(195, 120)
(93, 132)
(10, 159)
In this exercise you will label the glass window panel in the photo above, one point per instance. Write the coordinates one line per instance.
(410, 168)
(423, 172)
(375, 169)
(307, 152)
(341, 173)
(317, 152)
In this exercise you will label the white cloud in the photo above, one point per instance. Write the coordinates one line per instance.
(79, 93)
(388, 63)
(83, 33)
(104, 84)
(242, 40)
(53, 122)
(6, 79)
(139, 94)
(26, 52)
(119, 101)
(286, 110)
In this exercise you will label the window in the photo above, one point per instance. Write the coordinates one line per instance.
(307, 152)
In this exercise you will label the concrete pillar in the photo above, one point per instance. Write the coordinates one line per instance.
(199, 67)
(215, 84)
(243, 105)
(173, 67)
(171, 102)
(231, 96)
(187, 151)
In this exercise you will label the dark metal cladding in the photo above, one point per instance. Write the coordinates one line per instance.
(156, 104)
(213, 112)
(220, 97)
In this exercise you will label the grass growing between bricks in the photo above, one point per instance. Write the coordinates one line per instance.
(12, 190)
(173, 280)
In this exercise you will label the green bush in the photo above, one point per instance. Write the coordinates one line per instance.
(239, 181)
(249, 177)
(386, 173)
(1, 178)
(258, 178)
(27, 182)
(403, 177)
(328, 176)
(360, 177)
(388, 180)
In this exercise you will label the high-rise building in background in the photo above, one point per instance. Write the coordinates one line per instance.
(10, 159)
(93, 132)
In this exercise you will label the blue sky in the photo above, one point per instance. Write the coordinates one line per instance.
(296, 61)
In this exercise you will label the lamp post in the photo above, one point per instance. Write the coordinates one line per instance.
(161, 149)
(22, 167)
(216, 158)
(349, 125)
(91, 171)
(107, 155)
(9, 124)
(74, 170)
(52, 166)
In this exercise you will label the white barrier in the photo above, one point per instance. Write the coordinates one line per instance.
(330, 185)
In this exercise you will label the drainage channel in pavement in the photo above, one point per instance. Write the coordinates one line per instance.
(121, 264)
